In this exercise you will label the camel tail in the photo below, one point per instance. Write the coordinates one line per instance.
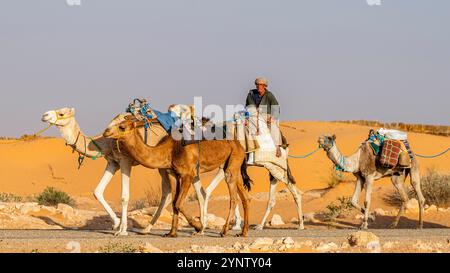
(291, 178)
(247, 180)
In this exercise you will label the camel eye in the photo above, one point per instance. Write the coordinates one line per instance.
(61, 115)
(122, 128)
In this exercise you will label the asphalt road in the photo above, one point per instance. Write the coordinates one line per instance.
(90, 240)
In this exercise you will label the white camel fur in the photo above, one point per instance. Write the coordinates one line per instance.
(363, 165)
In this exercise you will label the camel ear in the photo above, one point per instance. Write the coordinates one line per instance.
(334, 137)
(72, 110)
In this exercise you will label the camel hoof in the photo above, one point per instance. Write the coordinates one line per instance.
(241, 235)
(259, 227)
(121, 233)
(393, 225)
(199, 233)
(236, 227)
(301, 227)
(170, 235)
(364, 226)
(144, 231)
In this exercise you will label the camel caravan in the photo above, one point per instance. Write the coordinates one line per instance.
(169, 142)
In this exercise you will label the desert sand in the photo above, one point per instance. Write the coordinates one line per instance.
(30, 166)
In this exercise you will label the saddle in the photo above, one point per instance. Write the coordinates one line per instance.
(391, 151)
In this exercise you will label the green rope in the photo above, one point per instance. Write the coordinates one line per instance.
(100, 153)
(305, 156)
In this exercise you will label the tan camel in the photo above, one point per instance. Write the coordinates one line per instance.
(363, 165)
(99, 146)
(187, 162)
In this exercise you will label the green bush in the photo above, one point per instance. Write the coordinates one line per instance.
(341, 209)
(52, 197)
(435, 188)
(9, 197)
(335, 178)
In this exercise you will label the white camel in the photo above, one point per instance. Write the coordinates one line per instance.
(274, 171)
(363, 165)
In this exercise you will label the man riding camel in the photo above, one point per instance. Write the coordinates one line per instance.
(266, 104)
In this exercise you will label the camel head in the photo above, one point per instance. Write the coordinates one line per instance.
(119, 119)
(60, 117)
(121, 129)
(327, 141)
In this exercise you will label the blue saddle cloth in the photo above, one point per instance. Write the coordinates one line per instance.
(167, 120)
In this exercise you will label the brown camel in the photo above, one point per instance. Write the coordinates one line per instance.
(182, 162)
(363, 165)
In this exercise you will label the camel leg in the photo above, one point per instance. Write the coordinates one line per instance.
(245, 199)
(231, 183)
(237, 218)
(367, 201)
(298, 201)
(165, 200)
(212, 186)
(125, 166)
(185, 182)
(110, 170)
(415, 181)
(201, 202)
(398, 181)
(357, 192)
(270, 203)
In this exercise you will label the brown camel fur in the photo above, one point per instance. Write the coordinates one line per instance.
(181, 162)
(363, 164)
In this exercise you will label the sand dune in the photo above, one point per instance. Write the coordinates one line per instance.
(28, 167)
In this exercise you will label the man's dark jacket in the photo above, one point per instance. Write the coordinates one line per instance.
(268, 100)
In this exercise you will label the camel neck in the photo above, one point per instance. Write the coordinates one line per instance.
(348, 163)
(84, 145)
(158, 157)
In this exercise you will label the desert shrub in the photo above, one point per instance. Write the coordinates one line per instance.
(153, 195)
(342, 208)
(52, 197)
(9, 197)
(335, 177)
(118, 248)
(435, 189)
(139, 204)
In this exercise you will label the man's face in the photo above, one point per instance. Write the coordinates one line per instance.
(261, 88)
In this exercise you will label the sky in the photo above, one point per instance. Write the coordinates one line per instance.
(325, 59)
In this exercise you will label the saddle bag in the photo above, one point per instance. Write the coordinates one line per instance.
(404, 160)
(390, 153)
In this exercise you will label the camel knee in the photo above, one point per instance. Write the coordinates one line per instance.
(98, 194)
